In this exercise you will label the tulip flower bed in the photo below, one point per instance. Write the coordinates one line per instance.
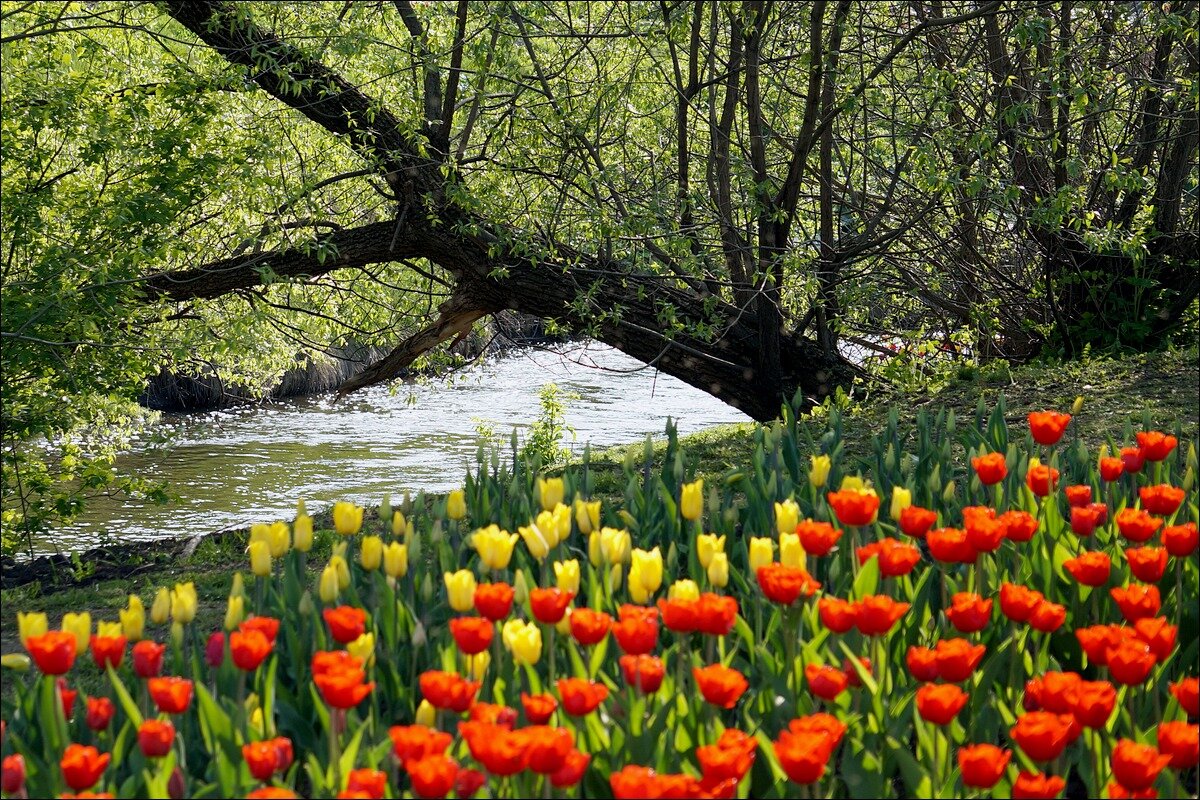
(965, 614)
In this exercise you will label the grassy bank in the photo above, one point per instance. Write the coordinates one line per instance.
(1115, 391)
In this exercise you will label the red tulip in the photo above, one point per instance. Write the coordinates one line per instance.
(716, 614)
(836, 614)
(588, 626)
(1041, 479)
(214, 649)
(1159, 634)
(572, 771)
(1047, 427)
(1085, 520)
(720, 685)
(990, 468)
(12, 774)
(817, 538)
(1136, 525)
(147, 658)
(982, 765)
(853, 507)
(369, 782)
(547, 748)
(100, 712)
(804, 756)
(1181, 540)
(249, 648)
(1111, 468)
(875, 615)
(1136, 766)
(580, 696)
(493, 600)
(1091, 568)
(473, 635)
(1136, 601)
(1130, 662)
(171, 695)
(678, 616)
(414, 742)
(940, 703)
(1187, 693)
(1078, 496)
(82, 766)
(916, 521)
(346, 623)
(433, 776)
(969, 612)
(538, 707)
(922, 663)
(825, 682)
(1181, 742)
(784, 585)
(53, 652)
(636, 631)
(1020, 525)
(1155, 445)
(339, 677)
(950, 545)
(1094, 703)
(1047, 617)
(107, 650)
(957, 658)
(1042, 735)
(1036, 786)
(1018, 602)
(1162, 499)
(644, 672)
(1132, 459)
(549, 605)
(448, 690)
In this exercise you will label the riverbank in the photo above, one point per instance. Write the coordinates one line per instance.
(1114, 392)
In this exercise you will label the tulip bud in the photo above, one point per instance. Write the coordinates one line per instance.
(460, 587)
(256, 721)
(395, 559)
(708, 545)
(901, 499)
(238, 585)
(399, 528)
(889, 458)
(160, 611)
(787, 517)
(456, 505)
(595, 554)
(32, 623)
(279, 539)
(81, 626)
(235, 612)
(791, 552)
(477, 664)
(343, 572)
(691, 500)
(718, 570)
(306, 606)
(1077, 406)
(762, 552)
(17, 662)
(566, 574)
(1189, 480)
(363, 647)
(133, 619)
(948, 492)
(684, 590)
(587, 515)
(371, 553)
(327, 588)
(418, 635)
(177, 785)
(427, 589)
(426, 714)
(818, 471)
(177, 634)
(347, 518)
(260, 558)
(616, 572)
(520, 588)
(184, 602)
(385, 509)
(302, 533)
(435, 534)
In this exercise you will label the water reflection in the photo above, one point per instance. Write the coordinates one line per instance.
(252, 464)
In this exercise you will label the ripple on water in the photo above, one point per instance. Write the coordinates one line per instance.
(248, 464)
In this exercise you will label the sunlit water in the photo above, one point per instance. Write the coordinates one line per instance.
(242, 465)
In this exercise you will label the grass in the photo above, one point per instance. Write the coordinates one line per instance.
(1115, 392)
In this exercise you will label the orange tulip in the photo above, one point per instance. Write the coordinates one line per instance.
(580, 696)
(916, 521)
(1136, 525)
(339, 677)
(155, 737)
(990, 468)
(1042, 734)
(852, 507)
(1047, 427)
(171, 695)
(957, 659)
(549, 605)
(716, 614)
(982, 765)
(1019, 525)
(82, 766)
(784, 585)
(1018, 602)
(448, 690)
(1036, 786)
(547, 748)
(1130, 662)
(493, 600)
(825, 682)
(369, 782)
(679, 616)
(636, 631)
(473, 635)
(249, 648)
(1181, 742)
(1187, 693)
(433, 776)
(1094, 703)
(969, 612)
(1137, 601)
(817, 538)
(1162, 499)
(415, 742)
(836, 614)
(645, 673)
(1041, 479)
(720, 685)
(538, 707)
(922, 663)
(1136, 766)
(876, 614)
(53, 651)
(1090, 568)
(588, 626)
(346, 623)
(1181, 540)
(107, 650)
(950, 545)
(1155, 445)
(939, 703)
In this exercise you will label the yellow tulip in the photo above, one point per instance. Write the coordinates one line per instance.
(536, 541)
(256, 721)
(494, 546)
(327, 589)
(460, 586)
(566, 574)
(260, 558)
(587, 515)
(235, 611)
(520, 588)
(550, 492)
(279, 538)
(547, 526)
(456, 505)
(901, 499)
(563, 626)
(562, 522)
(684, 590)
(31, 623)
(615, 545)
(762, 552)
(787, 516)
(133, 619)
(398, 525)
(853, 483)
(718, 570)
(371, 553)
(426, 714)
(342, 567)
(523, 640)
(791, 552)
(184, 602)
(302, 533)
(818, 470)
(691, 500)
(595, 553)
(395, 559)
(347, 518)
(615, 574)
(109, 629)
(708, 545)
(81, 626)
(363, 647)
(17, 662)
(477, 665)
(648, 565)
(160, 610)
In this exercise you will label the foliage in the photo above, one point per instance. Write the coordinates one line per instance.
(887, 747)
(543, 442)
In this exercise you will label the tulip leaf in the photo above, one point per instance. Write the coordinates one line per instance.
(350, 753)
(599, 652)
(864, 675)
(867, 581)
(127, 703)
(916, 779)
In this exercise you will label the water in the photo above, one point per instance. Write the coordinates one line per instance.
(251, 464)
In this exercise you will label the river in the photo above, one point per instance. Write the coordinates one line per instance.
(252, 463)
